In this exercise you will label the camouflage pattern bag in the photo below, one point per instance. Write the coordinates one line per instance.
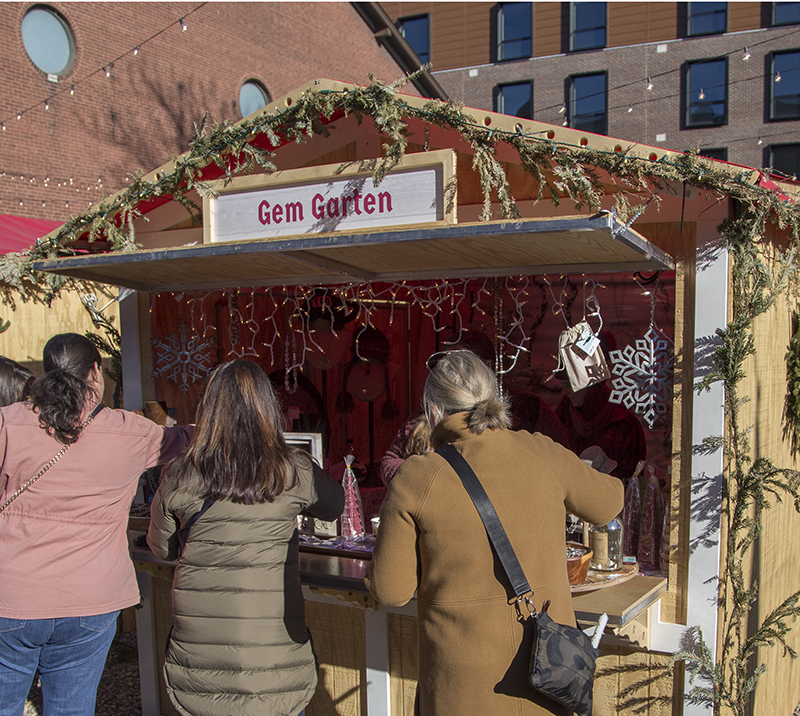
(562, 663)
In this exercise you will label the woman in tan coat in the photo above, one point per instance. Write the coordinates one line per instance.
(239, 643)
(473, 654)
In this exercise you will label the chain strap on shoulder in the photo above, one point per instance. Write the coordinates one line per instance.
(52, 462)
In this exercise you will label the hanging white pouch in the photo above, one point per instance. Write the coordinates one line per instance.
(579, 352)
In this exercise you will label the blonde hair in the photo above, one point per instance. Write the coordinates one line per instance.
(460, 381)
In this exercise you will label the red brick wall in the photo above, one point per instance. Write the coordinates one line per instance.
(144, 112)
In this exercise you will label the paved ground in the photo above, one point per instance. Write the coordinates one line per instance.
(118, 694)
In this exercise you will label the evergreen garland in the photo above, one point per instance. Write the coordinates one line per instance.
(791, 407)
(760, 273)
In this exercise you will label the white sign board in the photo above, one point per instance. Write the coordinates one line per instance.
(348, 204)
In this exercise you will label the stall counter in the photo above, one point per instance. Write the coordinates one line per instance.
(367, 652)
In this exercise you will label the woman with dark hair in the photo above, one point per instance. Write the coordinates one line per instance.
(70, 468)
(15, 381)
(239, 642)
(473, 652)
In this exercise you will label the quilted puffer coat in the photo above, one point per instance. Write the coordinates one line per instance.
(239, 643)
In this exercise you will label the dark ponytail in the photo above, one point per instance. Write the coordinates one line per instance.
(59, 396)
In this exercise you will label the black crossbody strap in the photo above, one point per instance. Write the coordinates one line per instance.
(494, 528)
(183, 532)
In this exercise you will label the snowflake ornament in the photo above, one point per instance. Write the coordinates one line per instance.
(182, 359)
(645, 374)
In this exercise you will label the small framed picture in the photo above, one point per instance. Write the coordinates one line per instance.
(310, 442)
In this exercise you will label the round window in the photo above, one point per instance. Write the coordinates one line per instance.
(252, 97)
(47, 39)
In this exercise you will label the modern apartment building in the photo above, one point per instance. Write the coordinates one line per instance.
(720, 77)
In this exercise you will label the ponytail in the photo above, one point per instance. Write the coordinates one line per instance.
(59, 396)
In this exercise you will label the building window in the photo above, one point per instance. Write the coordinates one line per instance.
(707, 18)
(786, 13)
(587, 29)
(514, 30)
(720, 153)
(587, 103)
(515, 99)
(707, 93)
(47, 39)
(416, 30)
(784, 86)
(252, 97)
(784, 158)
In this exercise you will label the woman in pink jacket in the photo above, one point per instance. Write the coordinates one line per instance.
(64, 558)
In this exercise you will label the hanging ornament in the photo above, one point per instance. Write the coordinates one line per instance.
(182, 359)
(351, 523)
(644, 372)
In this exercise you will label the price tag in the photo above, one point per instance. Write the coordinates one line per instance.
(588, 342)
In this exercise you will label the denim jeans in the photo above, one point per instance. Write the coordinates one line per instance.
(69, 654)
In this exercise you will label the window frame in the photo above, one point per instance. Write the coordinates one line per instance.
(690, 15)
(721, 150)
(418, 16)
(500, 27)
(572, 15)
(689, 91)
(571, 101)
(258, 84)
(499, 94)
(771, 116)
(773, 8)
(771, 154)
(69, 35)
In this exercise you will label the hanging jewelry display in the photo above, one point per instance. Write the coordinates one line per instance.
(183, 357)
(644, 370)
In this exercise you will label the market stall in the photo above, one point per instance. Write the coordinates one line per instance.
(340, 286)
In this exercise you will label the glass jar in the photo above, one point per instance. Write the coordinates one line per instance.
(606, 544)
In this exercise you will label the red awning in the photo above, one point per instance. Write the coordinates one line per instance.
(20, 232)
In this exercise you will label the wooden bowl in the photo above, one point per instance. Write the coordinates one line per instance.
(578, 566)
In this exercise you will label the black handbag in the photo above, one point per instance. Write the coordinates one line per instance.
(562, 658)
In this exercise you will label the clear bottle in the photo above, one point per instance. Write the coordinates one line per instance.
(606, 544)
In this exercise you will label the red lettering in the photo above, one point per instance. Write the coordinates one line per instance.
(388, 197)
(277, 213)
(333, 207)
(345, 199)
(318, 206)
(294, 211)
(263, 212)
(356, 197)
(369, 203)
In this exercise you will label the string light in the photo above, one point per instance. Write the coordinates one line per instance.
(630, 108)
(183, 26)
(778, 77)
(72, 89)
(107, 70)
(760, 141)
(47, 105)
(746, 56)
(136, 50)
(650, 84)
(562, 108)
(701, 94)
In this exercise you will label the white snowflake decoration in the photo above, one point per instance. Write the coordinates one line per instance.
(182, 360)
(644, 375)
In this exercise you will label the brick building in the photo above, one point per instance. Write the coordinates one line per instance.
(103, 88)
(722, 77)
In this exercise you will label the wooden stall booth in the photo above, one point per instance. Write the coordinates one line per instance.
(340, 286)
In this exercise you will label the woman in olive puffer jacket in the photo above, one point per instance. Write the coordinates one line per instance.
(239, 643)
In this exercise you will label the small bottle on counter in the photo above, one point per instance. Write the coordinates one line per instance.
(606, 544)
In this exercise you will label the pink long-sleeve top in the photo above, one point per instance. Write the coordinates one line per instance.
(63, 542)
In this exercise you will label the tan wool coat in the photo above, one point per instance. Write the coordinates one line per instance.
(473, 654)
(239, 642)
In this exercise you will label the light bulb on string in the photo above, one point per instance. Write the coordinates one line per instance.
(72, 89)
(630, 108)
(3, 126)
(746, 56)
(760, 141)
(19, 115)
(701, 94)
(778, 77)
(650, 84)
(46, 104)
(136, 50)
(184, 28)
(562, 108)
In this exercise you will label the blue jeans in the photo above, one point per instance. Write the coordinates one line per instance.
(69, 653)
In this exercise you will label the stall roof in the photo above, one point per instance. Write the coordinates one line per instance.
(600, 244)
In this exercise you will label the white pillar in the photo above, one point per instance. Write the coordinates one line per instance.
(130, 348)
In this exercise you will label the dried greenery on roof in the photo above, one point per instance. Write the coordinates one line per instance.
(563, 172)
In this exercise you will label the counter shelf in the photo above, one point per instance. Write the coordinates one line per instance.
(333, 586)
